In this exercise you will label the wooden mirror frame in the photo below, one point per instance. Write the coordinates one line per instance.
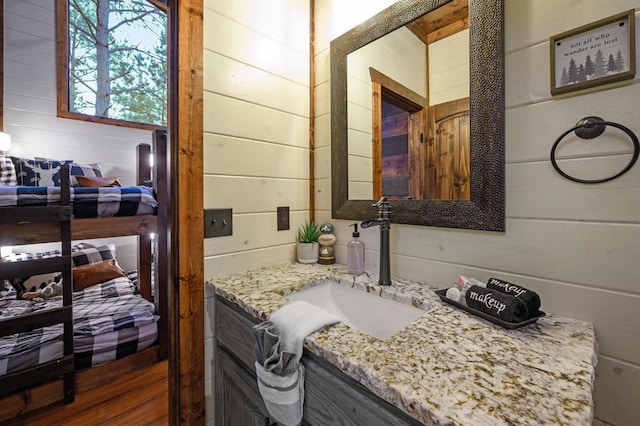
(486, 208)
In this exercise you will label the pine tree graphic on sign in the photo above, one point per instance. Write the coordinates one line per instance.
(592, 69)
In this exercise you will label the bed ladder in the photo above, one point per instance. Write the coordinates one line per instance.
(156, 175)
(23, 216)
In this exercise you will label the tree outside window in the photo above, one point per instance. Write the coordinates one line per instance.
(114, 63)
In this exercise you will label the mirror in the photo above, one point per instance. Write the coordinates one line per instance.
(354, 188)
(408, 110)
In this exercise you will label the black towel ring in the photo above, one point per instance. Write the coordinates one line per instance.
(589, 128)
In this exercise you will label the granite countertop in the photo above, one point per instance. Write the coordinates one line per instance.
(447, 367)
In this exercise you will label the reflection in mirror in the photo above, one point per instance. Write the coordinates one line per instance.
(450, 170)
(408, 110)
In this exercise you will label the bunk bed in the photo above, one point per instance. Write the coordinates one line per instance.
(57, 378)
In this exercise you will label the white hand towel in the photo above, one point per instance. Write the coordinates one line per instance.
(283, 394)
(295, 321)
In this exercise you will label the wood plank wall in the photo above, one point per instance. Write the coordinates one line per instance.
(577, 245)
(256, 136)
(256, 127)
(395, 156)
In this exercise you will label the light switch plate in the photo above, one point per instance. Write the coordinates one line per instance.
(283, 218)
(218, 222)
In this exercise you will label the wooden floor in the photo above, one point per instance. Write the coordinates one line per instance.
(139, 398)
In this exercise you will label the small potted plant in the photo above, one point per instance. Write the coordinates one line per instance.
(307, 245)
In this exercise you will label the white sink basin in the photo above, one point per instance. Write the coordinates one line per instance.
(371, 314)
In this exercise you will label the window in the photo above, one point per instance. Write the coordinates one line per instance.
(112, 61)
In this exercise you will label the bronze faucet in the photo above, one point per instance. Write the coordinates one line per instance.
(384, 222)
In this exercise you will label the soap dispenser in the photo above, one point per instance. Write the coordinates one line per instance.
(355, 253)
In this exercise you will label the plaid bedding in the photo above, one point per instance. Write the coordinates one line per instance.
(101, 314)
(111, 314)
(48, 351)
(11, 307)
(87, 202)
(117, 287)
(89, 350)
(95, 350)
(20, 342)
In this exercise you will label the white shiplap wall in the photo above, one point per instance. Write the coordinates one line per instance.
(30, 106)
(256, 136)
(577, 245)
(256, 127)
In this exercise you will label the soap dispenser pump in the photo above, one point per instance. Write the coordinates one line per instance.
(355, 253)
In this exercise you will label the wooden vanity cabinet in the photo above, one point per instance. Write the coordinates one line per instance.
(238, 400)
(331, 397)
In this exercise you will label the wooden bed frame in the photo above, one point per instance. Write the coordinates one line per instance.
(49, 226)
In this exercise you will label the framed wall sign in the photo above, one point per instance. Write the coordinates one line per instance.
(594, 54)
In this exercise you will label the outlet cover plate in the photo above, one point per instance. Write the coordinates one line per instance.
(283, 218)
(218, 222)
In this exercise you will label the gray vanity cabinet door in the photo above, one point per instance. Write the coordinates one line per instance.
(234, 333)
(238, 402)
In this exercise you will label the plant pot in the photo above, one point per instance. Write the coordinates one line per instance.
(307, 252)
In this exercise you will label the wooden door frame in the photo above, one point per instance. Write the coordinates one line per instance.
(186, 228)
(399, 95)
